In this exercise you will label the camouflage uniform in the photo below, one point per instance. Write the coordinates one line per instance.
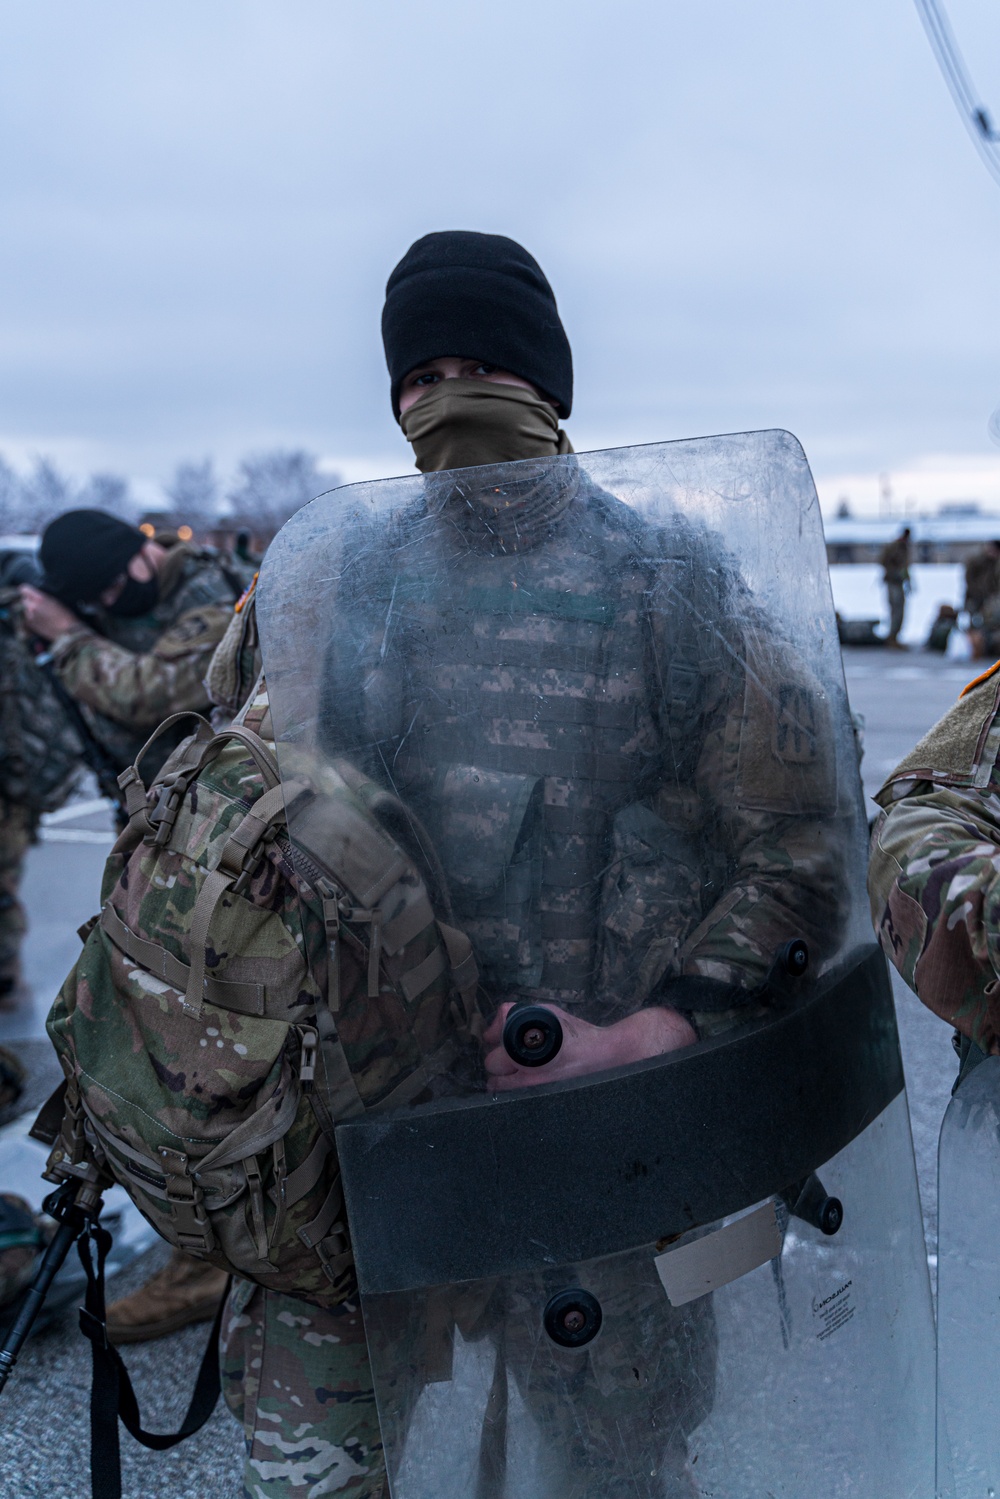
(128, 675)
(683, 771)
(17, 833)
(934, 876)
(297, 1378)
(982, 579)
(21, 1238)
(39, 766)
(670, 821)
(894, 559)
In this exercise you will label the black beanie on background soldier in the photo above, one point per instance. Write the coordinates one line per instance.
(475, 296)
(83, 552)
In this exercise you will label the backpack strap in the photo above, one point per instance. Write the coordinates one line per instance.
(240, 856)
(141, 820)
(465, 979)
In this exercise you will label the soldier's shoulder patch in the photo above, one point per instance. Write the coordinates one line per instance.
(198, 629)
(978, 681)
(793, 732)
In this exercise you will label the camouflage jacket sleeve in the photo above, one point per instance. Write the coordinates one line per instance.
(934, 886)
(236, 662)
(141, 690)
(767, 776)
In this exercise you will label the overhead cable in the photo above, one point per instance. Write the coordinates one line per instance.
(977, 118)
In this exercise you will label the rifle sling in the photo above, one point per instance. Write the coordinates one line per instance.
(111, 1393)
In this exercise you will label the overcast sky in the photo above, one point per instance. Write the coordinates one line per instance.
(753, 215)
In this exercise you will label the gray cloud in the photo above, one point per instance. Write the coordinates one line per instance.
(752, 216)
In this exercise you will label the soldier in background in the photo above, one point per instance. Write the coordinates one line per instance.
(941, 630)
(132, 625)
(17, 822)
(894, 559)
(982, 578)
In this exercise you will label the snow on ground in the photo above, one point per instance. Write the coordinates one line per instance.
(859, 593)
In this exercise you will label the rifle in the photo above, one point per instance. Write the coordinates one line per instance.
(94, 755)
(76, 1207)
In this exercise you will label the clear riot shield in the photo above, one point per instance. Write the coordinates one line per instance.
(969, 1287)
(632, 1199)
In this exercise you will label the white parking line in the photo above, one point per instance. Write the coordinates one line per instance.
(75, 809)
(106, 836)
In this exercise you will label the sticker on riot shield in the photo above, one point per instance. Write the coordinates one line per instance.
(582, 848)
(714, 1259)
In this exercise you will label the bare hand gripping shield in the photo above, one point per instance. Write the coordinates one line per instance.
(628, 1170)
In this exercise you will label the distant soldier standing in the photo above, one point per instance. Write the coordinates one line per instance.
(133, 625)
(982, 577)
(894, 559)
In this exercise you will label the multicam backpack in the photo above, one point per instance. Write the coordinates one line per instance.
(229, 1008)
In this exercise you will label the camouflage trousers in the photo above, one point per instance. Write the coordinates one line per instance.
(298, 1380)
(17, 831)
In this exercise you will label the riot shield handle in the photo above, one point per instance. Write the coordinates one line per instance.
(788, 968)
(572, 1318)
(809, 1200)
(792, 958)
(532, 1034)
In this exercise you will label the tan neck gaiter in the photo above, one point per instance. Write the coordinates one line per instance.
(465, 423)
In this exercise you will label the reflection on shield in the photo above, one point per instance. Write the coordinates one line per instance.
(578, 743)
(969, 1286)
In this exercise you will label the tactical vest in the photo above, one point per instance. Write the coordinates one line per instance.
(558, 720)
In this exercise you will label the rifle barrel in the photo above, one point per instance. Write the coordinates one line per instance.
(52, 1261)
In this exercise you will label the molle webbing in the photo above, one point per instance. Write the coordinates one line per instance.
(244, 999)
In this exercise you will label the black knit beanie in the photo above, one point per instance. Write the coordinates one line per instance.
(476, 296)
(83, 552)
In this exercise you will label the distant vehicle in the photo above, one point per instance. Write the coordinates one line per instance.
(18, 560)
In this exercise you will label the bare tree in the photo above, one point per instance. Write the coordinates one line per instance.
(194, 495)
(44, 494)
(270, 487)
(10, 499)
(108, 492)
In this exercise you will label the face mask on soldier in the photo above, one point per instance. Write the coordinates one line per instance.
(461, 423)
(135, 598)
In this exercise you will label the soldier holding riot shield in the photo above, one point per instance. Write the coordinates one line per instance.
(932, 885)
(644, 1221)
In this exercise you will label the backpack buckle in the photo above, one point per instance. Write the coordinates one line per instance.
(187, 1202)
(252, 860)
(164, 813)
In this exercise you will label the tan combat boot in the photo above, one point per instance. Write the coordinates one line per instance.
(186, 1290)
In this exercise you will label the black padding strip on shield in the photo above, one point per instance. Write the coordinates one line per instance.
(459, 1191)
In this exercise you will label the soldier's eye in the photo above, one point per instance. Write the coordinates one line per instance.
(485, 369)
(429, 378)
